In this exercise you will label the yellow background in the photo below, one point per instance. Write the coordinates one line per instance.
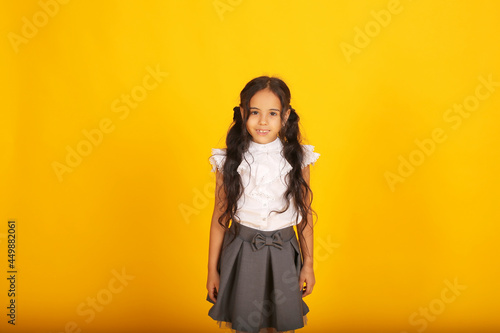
(141, 200)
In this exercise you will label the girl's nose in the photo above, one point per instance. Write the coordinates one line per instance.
(263, 120)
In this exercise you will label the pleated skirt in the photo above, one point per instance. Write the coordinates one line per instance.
(259, 281)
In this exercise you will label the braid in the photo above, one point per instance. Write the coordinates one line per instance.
(298, 190)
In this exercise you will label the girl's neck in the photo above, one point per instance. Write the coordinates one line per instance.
(266, 147)
(264, 144)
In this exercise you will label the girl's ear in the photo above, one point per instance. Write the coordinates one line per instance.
(286, 116)
(241, 110)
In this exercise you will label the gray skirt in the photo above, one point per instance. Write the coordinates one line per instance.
(259, 281)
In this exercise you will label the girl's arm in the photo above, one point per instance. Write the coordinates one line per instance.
(216, 238)
(307, 247)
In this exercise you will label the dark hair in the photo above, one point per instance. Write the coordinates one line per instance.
(238, 140)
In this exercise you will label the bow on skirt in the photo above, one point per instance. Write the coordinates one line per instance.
(259, 241)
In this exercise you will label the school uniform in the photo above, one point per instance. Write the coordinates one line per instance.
(260, 260)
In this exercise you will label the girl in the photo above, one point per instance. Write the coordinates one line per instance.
(256, 270)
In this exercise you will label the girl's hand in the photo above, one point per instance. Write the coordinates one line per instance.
(213, 285)
(307, 277)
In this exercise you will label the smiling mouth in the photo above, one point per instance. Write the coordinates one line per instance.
(262, 131)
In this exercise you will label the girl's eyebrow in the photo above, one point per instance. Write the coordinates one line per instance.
(253, 107)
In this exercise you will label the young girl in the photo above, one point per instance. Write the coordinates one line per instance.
(256, 270)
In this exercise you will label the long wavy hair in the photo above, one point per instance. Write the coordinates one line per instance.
(238, 140)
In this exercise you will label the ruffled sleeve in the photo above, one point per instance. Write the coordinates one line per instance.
(217, 159)
(309, 155)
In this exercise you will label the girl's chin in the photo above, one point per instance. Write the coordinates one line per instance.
(264, 138)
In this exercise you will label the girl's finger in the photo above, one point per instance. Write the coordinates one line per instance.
(213, 294)
(309, 289)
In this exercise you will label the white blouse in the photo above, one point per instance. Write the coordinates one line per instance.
(263, 171)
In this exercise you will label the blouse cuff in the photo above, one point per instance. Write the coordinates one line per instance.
(310, 157)
(217, 159)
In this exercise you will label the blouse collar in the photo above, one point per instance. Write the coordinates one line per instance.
(275, 145)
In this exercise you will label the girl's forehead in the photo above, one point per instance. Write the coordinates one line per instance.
(264, 97)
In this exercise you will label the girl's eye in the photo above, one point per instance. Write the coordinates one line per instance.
(253, 112)
(273, 113)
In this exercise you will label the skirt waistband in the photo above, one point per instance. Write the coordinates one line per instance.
(249, 234)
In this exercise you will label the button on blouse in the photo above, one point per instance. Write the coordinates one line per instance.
(263, 173)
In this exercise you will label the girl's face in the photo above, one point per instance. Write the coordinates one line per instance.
(264, 121)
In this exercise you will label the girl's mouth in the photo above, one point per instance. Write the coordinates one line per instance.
(262, 132)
